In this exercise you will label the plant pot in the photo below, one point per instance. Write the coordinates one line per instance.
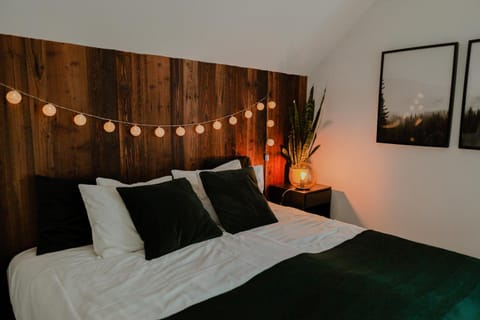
(302, 176)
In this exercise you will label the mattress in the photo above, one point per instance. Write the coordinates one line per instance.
(76, 284)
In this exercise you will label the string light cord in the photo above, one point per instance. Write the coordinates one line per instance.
(131, 123)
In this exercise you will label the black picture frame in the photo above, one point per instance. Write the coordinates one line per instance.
(470, 118)
(416, 94)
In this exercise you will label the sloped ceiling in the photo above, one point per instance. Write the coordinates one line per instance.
(289, 36)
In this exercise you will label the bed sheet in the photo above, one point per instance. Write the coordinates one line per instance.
(76, 284)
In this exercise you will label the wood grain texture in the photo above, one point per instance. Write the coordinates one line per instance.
(131, 87)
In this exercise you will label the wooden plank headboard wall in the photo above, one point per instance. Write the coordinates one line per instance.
(127, 86)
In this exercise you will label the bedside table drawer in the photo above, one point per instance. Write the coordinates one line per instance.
(318, 198)
(315, 200)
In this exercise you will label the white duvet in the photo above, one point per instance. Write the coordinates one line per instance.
(76, 284)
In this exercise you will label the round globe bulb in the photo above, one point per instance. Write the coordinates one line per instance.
(260, 106)
(270, 123)
(159, 132)
(80, 120)
(271, 104)
(14, 97)
(217, 125)
(135, 131)
(302, 176)
(109, 126)
(233, 120)
(180, 131)
(248, 114)
(270, 142)
(199, 129)
(49, 110)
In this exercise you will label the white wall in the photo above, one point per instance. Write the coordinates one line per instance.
(277, 35)
(430, 195)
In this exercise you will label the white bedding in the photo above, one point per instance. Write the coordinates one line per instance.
(76, 284)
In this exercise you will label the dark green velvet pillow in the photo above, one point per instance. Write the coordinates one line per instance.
(237, 200)
(62, 217)
(168, 216)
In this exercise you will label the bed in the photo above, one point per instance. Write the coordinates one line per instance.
(302, 266)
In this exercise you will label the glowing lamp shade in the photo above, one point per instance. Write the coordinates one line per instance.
(49, 110)
(270, 123)
(135, 131)
(271, 104)
(80, 120)
(14, 97)
(199, 129)
(159, 132)
(232, 120)
(248, 114)
(270, 142)
(302, 176)
(217, 125)
(109, 126)
(260, 106)
(180, 131)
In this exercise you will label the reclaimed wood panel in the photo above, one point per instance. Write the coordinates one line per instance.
(131, 87)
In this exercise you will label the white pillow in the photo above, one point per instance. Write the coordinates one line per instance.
(113, 231)
(259, 175)
(115, 183)
(194, 178)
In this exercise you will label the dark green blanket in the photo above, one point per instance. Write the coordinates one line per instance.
(373, 276)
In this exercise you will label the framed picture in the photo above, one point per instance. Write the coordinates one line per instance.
(416, 94)
(470, 121)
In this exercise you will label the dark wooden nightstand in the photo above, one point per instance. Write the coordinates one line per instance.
(316, 200)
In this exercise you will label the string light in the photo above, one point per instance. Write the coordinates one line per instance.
(217, 125)
(80, 119)
(232, 120)
(109, 126)
(199, 129)
(270, 142)
(159, 132)
(49, 110)
(180, 131)
(14, 97)
(270, 123)
(135, 131)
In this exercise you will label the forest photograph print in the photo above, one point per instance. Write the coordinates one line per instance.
(416, 93)
(470, 123)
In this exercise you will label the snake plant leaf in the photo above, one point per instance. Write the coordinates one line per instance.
(284, 152)
(319, 111)
(303, 126)
(313, 150)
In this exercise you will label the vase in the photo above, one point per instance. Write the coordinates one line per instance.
(302, 176)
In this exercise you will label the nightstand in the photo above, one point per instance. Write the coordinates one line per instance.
(316, 200)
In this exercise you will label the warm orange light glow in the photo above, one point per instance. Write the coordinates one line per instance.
(302, 176)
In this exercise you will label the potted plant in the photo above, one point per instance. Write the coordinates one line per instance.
(301, 142)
